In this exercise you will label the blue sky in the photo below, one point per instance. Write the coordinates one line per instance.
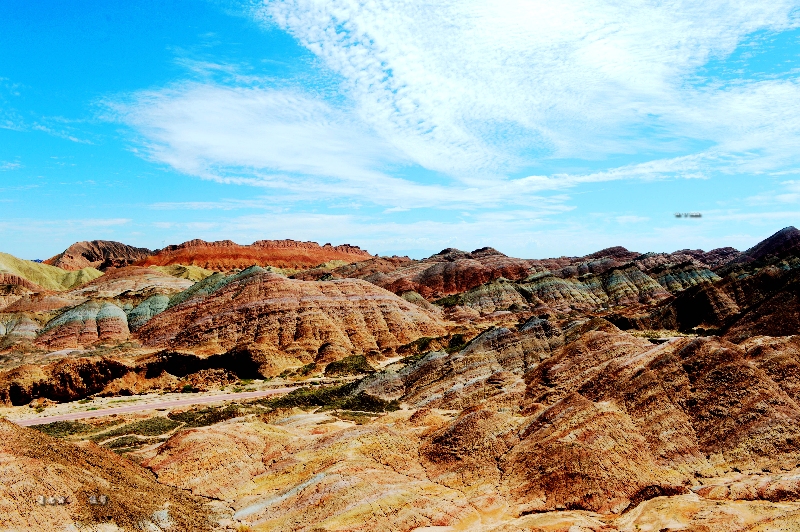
(404, 127)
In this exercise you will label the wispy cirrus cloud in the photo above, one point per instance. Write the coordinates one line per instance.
(470, 85)
(472, 91)
(201, 128)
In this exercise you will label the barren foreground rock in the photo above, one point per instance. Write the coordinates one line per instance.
(295, 317)
(618, 391)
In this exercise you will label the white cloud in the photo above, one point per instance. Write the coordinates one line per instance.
(296, 145)
(475, 89)
(200, 128)
(481, 85)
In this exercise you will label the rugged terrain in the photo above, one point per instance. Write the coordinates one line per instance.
(226, 255)
(618, 391)
(99, 254)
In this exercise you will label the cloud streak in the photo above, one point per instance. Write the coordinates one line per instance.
(470, 85)
(472, 91)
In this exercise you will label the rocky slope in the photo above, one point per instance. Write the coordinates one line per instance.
(43, 275)
(746, 302)
(85, 325)
(99, 254)
(290, 317)
(474, 391)
(784, 243)
(13, 288)
(66, 475)
(608, 433)
(130, 284)
(226, 255)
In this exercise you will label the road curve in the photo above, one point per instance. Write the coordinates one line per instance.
(151, 406)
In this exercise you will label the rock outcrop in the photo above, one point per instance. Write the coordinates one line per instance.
(44, 275)
(615, 286)
(10, 279)
(451, 272)
(702, 392)
(11, 293)
(67, 379)
(785, 242)
(747, 302)
(225, 255)
(66, 475)
(678, 277)
(131, 283)
(85, 325)
(355, 270)
(583, 456)
(16, 328)
(99, 254)
(192, 273)
(295, 318)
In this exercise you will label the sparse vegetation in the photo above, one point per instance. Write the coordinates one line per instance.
(154, 426)
(208, 416)
(421, 344)
(306, 370)
(343, 397)
(63, 429)
(125, 442)
(359, 418)
(352, 365)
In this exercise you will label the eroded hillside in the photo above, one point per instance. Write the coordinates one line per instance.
(619, 391)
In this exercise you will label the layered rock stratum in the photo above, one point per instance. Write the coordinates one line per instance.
(44, 275)
(225, 255)
(98, 254)
(66, 477)
(618, 391)
(289, 316)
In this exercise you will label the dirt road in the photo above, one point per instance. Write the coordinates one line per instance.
(151, 406)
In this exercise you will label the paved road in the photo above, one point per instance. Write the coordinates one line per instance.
(196, 400)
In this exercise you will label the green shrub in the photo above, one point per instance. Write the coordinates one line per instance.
(153, 426)
(421, 344)
(331, 398)
(449, 301)
(457, 343)
(352, 365)
(208, 416)
(305, 370)
(62, 429)
(125, 442)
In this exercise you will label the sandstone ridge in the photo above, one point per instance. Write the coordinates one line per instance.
(99, 254)
(294, 317)
(226, 255)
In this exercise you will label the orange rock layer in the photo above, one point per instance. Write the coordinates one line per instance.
(226, 255)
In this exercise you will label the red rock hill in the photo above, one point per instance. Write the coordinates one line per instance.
(100, 254)
(226, 255)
